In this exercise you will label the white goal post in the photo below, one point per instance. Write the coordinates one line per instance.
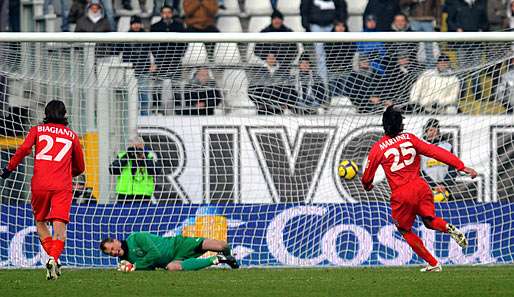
(247, 132)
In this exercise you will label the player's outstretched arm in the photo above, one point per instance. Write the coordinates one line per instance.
(24, 150)
(470, 171)
(371, 168)
(436, 152)
(78, 165)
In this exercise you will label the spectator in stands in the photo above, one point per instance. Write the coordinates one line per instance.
(362, 88)
(375, 51)
(200, 15)
(319, 16)
(310, 89)
(135, 169)
(139, 55)
(509, 21)
(339, 58)
(468, 16)
(270, 87)
(167, 56)
(201, 95)
(396, 84)
(401, 24)
(158, 4)
(4, 15)
(77, 10)
(437, 90)
(423, 15)
(93, 20)
(505, 89)
(383, 11)
(14, 15)
(438, 175)
(285, 53)
(167, 23)
(63, 12)
(108, 11)
(496, 14)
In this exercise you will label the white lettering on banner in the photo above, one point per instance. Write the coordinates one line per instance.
(275, 235)
(364, 242)
(482, 253)
(287, 180)
(17, 255)
(386, 238)
(275, 240)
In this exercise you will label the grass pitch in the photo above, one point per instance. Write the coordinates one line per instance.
(398, 282)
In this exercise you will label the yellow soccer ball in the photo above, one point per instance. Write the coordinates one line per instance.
(441, 197)
(348, 169)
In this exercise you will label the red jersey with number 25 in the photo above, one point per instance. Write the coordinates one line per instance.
(58, 156)
(400, 159)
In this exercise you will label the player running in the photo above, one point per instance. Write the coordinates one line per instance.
(146, 251)
(399, 154)
(58, 157)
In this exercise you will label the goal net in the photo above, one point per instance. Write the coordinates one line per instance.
(250, 138)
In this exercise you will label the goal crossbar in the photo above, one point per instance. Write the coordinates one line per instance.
(260, 37)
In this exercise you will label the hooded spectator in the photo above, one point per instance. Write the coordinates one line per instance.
(94, 19)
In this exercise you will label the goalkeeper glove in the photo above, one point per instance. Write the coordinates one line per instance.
(5, 173)
(126, 266)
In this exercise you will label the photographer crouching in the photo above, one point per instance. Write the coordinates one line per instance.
(135, 169)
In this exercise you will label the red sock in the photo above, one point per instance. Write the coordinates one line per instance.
(419, 248)
(439, 224)
(57, 248)
(47, 244)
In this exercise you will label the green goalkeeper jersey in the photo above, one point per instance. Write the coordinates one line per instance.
(148, 251)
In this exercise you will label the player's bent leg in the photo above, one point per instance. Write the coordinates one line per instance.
(435, 223)
(214, 245)
(457, 235)
(197, 263)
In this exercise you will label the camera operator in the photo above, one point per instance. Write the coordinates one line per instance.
(135, 169)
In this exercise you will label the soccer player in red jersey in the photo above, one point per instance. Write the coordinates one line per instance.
(399, 154)
(58, 157)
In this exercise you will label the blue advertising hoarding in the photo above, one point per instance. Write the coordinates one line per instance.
(349, 234)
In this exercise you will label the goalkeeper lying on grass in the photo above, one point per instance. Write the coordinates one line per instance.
(146, 251)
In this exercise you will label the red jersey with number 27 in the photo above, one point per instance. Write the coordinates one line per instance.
(58, 156)
(400, 159)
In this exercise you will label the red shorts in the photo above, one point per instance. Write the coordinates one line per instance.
(414, 198)
(52, 205)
